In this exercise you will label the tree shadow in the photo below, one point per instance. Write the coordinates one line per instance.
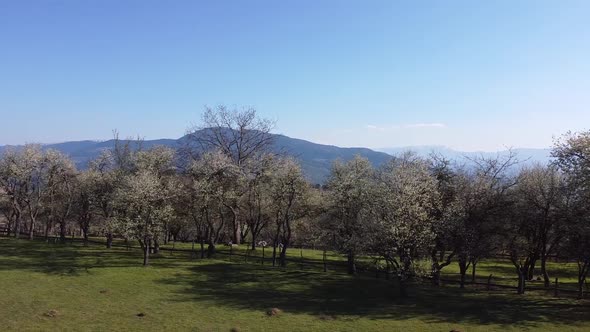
(71, 259)
(244, 286)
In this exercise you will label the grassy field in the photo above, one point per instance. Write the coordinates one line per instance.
(70, 287)
(502, 270)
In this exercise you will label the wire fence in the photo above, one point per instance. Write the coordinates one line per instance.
(325, 265)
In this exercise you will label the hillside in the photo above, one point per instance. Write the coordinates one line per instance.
(316, 159)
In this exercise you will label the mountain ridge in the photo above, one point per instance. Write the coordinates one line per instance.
(316, 159)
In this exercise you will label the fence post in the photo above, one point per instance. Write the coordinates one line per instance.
(324, 259)
(262, 255)
(556, 290)
(489, 286)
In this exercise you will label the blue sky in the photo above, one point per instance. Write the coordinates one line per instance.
(471, 75)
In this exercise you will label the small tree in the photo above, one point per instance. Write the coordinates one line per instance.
(539, 218)
(288, 191)
(215, 180)
(21, 179)
(352, 199)
(61, 184)
(408, 201)
(142, 209)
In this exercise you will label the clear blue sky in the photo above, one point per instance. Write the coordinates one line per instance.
(472, 75)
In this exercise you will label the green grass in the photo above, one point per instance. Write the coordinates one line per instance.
(92, 288)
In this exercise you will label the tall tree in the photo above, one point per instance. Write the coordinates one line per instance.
(240, 135)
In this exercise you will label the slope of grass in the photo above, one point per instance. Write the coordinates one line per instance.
(70, 287)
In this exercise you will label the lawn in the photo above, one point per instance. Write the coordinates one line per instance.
(46, 286)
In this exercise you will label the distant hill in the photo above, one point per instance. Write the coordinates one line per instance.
(316, 159)
(525, 155)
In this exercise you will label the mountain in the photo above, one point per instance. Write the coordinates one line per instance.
(315, 159)
(525, 155)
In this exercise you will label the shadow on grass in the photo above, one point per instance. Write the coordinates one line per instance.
(70, 258)
(237, 286)
(242, 286)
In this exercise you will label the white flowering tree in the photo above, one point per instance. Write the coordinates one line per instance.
(408, 199)
(143, 202)
(352, 207)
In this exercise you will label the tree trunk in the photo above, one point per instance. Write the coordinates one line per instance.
(85, 234)
(17, 222)
(530, 275)
(522, 275)
(473, 265)
(253, 241)
(210, 250)
(463, 266)
(166, 236)
(544, 272)
(402, 286)
(62, 231)
(47, 230)
(202, 248)
(156, 247)
(436, 277)
(86, 239)
(237, 232)
(32, 229)
(110, 241)
(146, 252)
(582, 274)
(283, 255)
(351, 263)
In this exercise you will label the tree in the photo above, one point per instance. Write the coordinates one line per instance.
(240, 135)
(142, 209)
(407, 203)
(572, 154)
(21, 180)
(352, 202)
(85, 201)
(288, 191)
(107, 178)
(577, 241)
(539, 218)
(482, 204)
(60, 182)
(216, 179)
(448, 215)
(256, 202)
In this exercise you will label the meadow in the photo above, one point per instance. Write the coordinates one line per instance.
(50, 286)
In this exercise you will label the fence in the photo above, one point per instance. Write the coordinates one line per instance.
(325, 265)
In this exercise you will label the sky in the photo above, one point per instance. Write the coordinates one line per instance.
(470, 75)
